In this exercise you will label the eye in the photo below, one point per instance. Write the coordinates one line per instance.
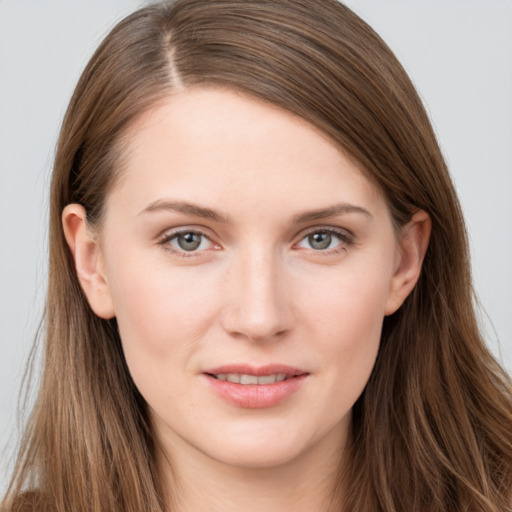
(325, 240)
(186, 242)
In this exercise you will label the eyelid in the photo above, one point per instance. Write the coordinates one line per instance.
(168, 235)
(346, 237)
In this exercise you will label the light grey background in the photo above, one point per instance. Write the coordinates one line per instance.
(458, 52)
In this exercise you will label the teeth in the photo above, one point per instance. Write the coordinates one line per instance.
(248, 379)
(251, 379)
(267, 379)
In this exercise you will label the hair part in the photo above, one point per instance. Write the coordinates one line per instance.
(432, 429)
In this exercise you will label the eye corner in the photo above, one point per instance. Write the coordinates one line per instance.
(195, 243)
(326, 236)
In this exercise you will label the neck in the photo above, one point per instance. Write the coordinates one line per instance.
(198, 483)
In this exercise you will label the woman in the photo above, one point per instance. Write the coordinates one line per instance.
(259, 294)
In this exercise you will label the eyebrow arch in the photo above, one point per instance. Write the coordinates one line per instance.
(207, 213)
(331, 211)
(186, 208)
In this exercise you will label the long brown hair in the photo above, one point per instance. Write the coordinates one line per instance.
(432, 430)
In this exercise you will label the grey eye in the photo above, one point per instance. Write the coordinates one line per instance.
(320, 240)
(189, 241)
(325, 240)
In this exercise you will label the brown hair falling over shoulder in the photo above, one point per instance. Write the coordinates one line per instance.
(432, 430)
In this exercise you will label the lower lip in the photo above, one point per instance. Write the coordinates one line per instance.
(256, 396)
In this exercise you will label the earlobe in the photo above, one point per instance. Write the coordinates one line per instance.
(412, 247)
(88, 258)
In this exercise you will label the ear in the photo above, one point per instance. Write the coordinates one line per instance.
(88, 257)
(412, 246)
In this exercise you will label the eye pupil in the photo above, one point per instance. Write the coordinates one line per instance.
(320, 240)
(189, 241)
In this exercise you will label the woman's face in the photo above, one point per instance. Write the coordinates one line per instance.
(241, 247)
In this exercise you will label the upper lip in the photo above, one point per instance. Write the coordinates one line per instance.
(259, 371)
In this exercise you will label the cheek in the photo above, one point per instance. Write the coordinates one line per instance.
(350, 298)
(351, 326)
(161, 313)
(346, 322)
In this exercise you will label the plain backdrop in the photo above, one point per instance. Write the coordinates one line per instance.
(458, 53)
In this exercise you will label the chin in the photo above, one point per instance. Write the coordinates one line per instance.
(270, 446)
(249, 455)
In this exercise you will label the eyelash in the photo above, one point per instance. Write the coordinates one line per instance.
(168, 237)
(345, 237)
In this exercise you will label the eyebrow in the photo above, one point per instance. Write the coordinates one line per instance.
(331, 211)
(186, 208)
(207, 213)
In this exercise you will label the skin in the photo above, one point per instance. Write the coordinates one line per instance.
(258, 290)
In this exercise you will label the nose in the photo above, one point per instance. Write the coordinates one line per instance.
(259, 301)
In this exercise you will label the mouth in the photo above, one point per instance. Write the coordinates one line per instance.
(245, 378)
(256, 388)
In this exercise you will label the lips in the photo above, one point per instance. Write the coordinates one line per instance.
(255, 387)
(245, 379)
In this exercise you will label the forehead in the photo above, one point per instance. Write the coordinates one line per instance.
(211, 145)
